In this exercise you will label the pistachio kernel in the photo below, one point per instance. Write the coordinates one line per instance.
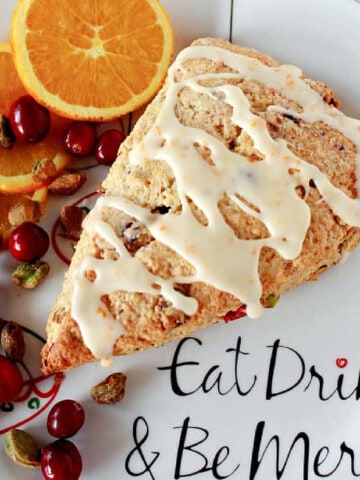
(111, 390)
(13, 341)
(22, 448)
(44, 170)
(272, 300)
(30, 275)
(67, 183)
(25, 211)
(7, 136)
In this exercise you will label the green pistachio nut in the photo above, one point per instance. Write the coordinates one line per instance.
(30, 275)
(22, 448)
(272, 300)
(111, 390)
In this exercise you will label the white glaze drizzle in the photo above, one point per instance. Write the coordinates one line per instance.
(218, 256)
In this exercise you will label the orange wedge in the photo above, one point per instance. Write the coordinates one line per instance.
(17, 164)
(91, 60)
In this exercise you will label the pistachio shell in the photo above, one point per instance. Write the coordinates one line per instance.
(22, 448)
(44, 170)
(13, 341)
(111, 390)
(29, 275)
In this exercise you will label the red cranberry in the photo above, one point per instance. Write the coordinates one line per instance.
(29, 120)
(108, 145)
(65, 419)
(11, 380)
(80, 138)
(61, 460)
(235, 314)
(28, 242)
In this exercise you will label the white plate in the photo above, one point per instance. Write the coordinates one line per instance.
(260, 399)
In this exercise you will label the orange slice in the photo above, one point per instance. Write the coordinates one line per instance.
(29, 205)
(17, 163)
(93, 60)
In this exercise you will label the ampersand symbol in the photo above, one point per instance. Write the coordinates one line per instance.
(139, 440)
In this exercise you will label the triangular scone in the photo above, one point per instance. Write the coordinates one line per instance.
(237, 184)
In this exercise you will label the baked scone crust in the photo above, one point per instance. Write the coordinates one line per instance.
(151, 320)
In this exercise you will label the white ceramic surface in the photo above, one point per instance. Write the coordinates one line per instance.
(267, 399)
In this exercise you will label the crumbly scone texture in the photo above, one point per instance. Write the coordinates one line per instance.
(150, 320)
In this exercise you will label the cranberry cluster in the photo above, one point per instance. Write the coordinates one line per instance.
(61, 459)
(30, 123)
(80, 140)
